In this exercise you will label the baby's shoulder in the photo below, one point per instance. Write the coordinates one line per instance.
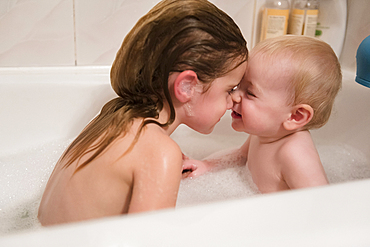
(297, 140)
(300, 162)
(295, 144)
(298, 147)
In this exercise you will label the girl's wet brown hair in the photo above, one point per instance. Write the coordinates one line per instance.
(174, 36)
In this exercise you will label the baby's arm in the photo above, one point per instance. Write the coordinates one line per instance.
(194, 168)
(302, 166)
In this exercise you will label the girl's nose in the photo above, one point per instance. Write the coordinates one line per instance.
(236, 96)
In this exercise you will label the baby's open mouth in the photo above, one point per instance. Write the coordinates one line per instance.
(234, 114)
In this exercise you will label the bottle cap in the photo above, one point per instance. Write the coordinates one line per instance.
(363, 63)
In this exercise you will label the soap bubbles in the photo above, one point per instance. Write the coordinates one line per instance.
(24, 176)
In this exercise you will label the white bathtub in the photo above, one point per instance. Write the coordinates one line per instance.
(42, 105)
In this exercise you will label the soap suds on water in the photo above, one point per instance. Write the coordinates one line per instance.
(229, 183)
(23, 179)
(344, 163)
(341, 162)
(24, 176)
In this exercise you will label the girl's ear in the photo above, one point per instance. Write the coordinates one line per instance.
(299, 117)
(184, 85)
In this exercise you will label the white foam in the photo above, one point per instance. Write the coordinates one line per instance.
(23, 179)
(24, 176)
(225, 184)
(344, 163)
(341, 162)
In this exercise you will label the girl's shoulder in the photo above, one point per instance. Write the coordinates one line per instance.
(153, 137)
(156, 152)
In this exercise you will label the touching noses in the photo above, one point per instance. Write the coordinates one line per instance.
(236, 96)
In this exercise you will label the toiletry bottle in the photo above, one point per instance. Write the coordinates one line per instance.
(303, 18)
(274, 19)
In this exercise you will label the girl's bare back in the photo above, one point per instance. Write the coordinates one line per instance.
(114, 184)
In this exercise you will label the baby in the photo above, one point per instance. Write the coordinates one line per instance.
(289, 88)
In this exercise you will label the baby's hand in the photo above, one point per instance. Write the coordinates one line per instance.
(194, 168)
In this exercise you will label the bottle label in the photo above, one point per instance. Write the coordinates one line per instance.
(296, 22)
(303, 22)
(274, 23)
(310, 22)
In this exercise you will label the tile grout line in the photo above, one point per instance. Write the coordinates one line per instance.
(74, 32)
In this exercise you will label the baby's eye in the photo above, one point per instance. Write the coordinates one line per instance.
(250, 93)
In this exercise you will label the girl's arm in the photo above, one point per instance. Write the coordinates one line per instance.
(156, 182)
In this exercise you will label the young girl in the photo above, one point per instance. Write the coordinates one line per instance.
(289, 88)
(177, 65)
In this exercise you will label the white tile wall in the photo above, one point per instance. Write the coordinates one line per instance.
(242, 13)
(36, 33)
(42, 32)
(102, 25)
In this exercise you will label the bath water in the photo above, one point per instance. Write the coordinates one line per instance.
(24, 176)
(23, 179)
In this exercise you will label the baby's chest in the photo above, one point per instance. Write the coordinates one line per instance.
(263, 166)
(262, 156)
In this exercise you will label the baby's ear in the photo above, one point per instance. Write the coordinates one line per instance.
(300, 116)
(184, 85)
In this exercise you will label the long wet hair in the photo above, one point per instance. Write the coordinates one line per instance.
(175, 35)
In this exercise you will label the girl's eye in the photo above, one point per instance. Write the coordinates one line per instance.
(234, 89)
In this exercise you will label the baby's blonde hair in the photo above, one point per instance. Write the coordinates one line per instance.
(314, 68)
